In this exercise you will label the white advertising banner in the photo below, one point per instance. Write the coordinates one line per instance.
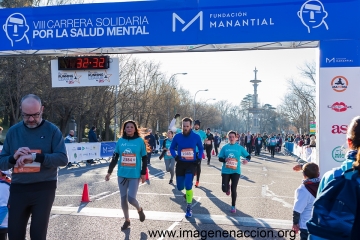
(85, 78)
(338, 88)
(78, 152)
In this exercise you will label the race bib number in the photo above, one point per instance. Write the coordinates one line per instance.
(168, 153)
(128, 160)
(207, 142)
(231, 163)
(30, 167)
(187, 154)
(259, 142)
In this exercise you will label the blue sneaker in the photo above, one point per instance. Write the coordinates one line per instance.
(188, 212)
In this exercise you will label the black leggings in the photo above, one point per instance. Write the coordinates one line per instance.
(216, 146)
(272, 150)
(234, 182)
(3, 233)
(208, 149)
(26, 200)
(198, 171)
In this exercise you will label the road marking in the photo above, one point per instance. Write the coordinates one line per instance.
(91, 196)
(116, 192)
(51, 217)
(265, 192)
(212, 183)
(197, 201)
(68, 195)
(182, 195)
(170, 228)
(175, 217)
(100, 194)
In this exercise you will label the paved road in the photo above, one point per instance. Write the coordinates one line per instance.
(265, 199)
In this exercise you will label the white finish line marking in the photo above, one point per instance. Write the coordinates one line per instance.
(174, 217)
(170, 228)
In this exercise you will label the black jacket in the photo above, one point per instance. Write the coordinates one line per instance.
(246, 140)
(92, 136)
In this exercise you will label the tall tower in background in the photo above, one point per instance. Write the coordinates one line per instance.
(255, 110)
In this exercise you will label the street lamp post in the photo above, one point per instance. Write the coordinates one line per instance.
(170, 80)
(172, 77)
(115, 122)
(204, 90)
(213, 99)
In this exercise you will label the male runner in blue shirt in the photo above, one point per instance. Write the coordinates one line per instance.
(186, 159)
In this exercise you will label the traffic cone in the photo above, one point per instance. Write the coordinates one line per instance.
(213, 152)
(147, 174)
(203, 156)
(85, 195)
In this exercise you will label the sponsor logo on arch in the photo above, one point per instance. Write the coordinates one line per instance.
(339, 107)
(339, 129)
(339, 84)
(338, 154)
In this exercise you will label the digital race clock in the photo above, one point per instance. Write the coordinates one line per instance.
(83, 63)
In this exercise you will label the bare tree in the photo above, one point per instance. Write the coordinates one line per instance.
(299, 104)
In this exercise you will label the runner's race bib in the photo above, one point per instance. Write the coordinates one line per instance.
(187, 154)
(231, 163)
(207, 142)
(259, 142)
(30, 167)
(128, 159)
(168, 153)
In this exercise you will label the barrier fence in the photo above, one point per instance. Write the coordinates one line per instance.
(307, 154)
(79, 152)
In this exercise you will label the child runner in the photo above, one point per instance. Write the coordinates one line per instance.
(230, 156)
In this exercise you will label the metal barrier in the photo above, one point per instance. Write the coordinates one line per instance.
(302, 154)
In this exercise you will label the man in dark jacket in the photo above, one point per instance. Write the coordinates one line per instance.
(151, 141)
(248, 142)
(92, 135)
(92, 138)
(217, 141)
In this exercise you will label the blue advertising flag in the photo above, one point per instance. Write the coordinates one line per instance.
(107, 149)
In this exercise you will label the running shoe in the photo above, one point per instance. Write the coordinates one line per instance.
(141, 215)
(126, 225)
(188, 212)
(228, 192)
(233, 209)
(197, 184)
(171, 181)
